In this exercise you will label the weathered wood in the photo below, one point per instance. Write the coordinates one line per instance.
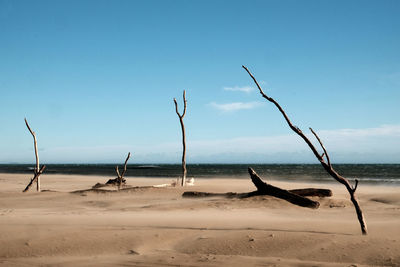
(36, 171)
(196, 194)
(126, 189)
(35, 177)
(184, 171)
(294, 196)
(325, 164)
(304, 192)
(116, 181)
(281, 193)
(120, 179)
(312, 192)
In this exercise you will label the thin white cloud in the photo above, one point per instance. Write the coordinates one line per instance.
(246, 89)
(379, 144)
(384, 130)
(230, 107)
(369, 145)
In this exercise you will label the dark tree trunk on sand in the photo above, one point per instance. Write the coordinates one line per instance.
(37, 171)
(281, 193)
(184, 172)
(267, 189)
(326, 164)
(304, 192)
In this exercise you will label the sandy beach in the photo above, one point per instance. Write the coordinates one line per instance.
(157, 227)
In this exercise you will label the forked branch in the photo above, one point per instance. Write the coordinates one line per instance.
(121, 176)
(184, 171)
(184, 106)
(327, 165)
(37, 170)
(323, 147)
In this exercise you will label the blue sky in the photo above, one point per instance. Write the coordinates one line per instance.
(96, 79)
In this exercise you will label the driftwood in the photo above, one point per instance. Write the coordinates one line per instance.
(197, 194)
(304, 192)
(312, 192)
(35, 178)
(119, 181)
(121, 176)
(37, 170)
(114, 181)
(184, 171)
(98, 189)
(326, 164)
(295, 196)
(281, 193)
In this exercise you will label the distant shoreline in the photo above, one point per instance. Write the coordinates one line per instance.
(366, 173)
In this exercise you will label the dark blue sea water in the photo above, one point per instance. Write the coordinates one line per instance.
(367, 173)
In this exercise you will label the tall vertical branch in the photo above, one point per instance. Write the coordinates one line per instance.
(184, 171)
(121, 176)
(327, 165)
(37, 170)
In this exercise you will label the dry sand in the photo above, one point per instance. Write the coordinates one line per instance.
(157, 227)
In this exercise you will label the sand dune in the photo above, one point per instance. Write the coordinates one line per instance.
(157, 227)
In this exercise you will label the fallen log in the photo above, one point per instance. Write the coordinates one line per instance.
(281, 193)
(125, 189)
(295, 196)
(312, 192)
(304, 192)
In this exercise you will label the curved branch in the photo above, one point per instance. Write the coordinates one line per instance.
(176, 108)
(184, 103)
(327, 166)
(37, 171)
(294, 128)
(35, 145)
(120, 178)
(126, 161)
(117, 170)
(323, 147)
(355, 185)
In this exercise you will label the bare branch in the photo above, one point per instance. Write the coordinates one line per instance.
(117, 170)
(176, 108)
(355, 185)
(327, 166)
(29, 128)
(35, 145)
(126, 161)
(294, 128)
(323, 147)
(184, 106)
(37, 172)
(35, 177)
(184, 103)
(184, 171)
(120, 178)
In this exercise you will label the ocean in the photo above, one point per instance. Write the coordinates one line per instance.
(388, 174)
